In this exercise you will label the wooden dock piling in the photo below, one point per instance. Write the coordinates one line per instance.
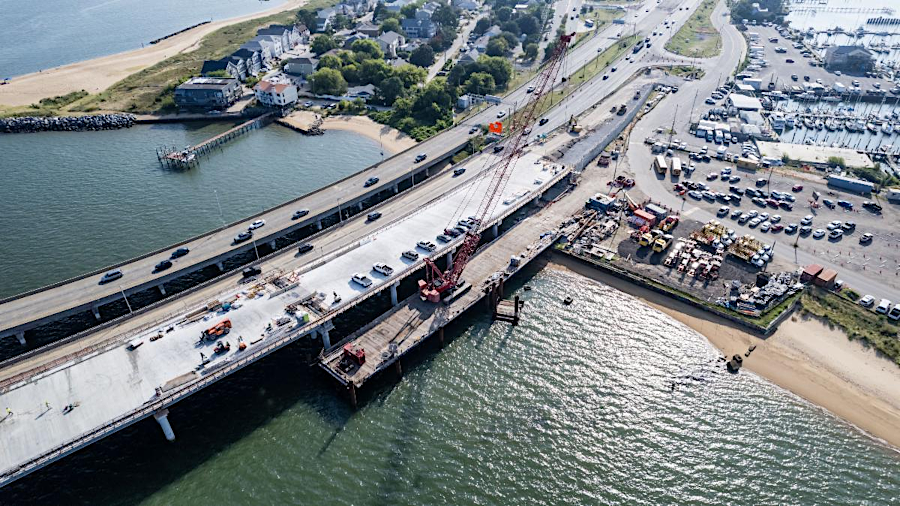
(173, 158)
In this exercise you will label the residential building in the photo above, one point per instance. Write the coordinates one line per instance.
(849, 59)
(233, 65)
(302, 66)
(252, 60)
(303, 31)
(427, 10)
(369, 29)
(390, 42)
(348, 41)
(324, 18)
(418, 28)
(208, 93)
(364, 92)
(466, 5)
(262, 47)
(396, 5)
(290, 35)
(468, 57)
(280, 95)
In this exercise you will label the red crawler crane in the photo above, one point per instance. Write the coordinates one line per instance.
(437, 283)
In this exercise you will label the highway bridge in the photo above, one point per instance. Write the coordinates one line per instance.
(140, 365)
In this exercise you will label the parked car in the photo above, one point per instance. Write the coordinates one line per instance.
(883, 306)
(819, 233)
(305, 248)
(761, 181)
(361, 279)
(163, 265)
(383, 268)
(866, 301)
(845, 204)
(828, 203)
(807, 220)
(444, 238)
(872, 206)
(180, 252)
(797, 188)
(299, 214)
(865, 238)
(791, 228)
(243, 236)
(257, 224)
(110, 276)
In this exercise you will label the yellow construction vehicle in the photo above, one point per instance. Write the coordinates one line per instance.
(662, 243)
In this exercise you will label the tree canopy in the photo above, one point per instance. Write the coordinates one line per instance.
(323, 44)
(328, 82)
(423, 56)
(392, 25)
(497, 46)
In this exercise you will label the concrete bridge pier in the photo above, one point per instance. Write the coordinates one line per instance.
(21, 337)
(319, 224)
(396, 188)
(272, 244)
(449, 258)
(323, 331)
(361, 207)
(162, 289)
(162, 418)
(394, 300)
(96, 311)
(221, 266)
(495, 230)
(536, 200)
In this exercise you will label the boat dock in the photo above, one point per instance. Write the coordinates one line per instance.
(174, 158)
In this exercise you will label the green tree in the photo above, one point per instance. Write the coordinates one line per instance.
(330, 61)
(408, 11)
(510, 27)
(531, 51)
(423, 56)
(480, 83)
(512, 40)
(307, 17)
(446, 16)
(528, 25)
(350, 73)
(374, 71)
(341, 22)
(391, 89)
(497, 46)
(367, 48)
(500, 68)
(328, 82)
(216, 73)
(504, 13)
(411, 75)
(323, 44)
(392, 25)
(481, 26)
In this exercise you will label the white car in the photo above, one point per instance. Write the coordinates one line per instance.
(410, 255)
(753, 213)
(883, 307)
(834, 225)
(866, 301)
(382, 268)
(764, 216)
(501, 114)
(819, 233)
(257, 224)
(361, 279)
(775, 219)
(765, 227)
(427, 245)
(754, 222)
(807, 220)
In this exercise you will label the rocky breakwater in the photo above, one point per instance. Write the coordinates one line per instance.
(66, 123)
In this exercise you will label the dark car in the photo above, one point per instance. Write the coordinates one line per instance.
(371, 181)
(243, 236)
(299, 214)
(787, 206)
(420, 157)
(474, 129)
(165, 264)
(613, 69)
(460, 171)
(249, 272)
(845, 204)
(543, 121)
(452, 232)
(789, 60)
(373, 216)
(498, 148)
(848, 226)
(605, 77)
(872, 206)
(305, 248)
(762, 181)
(111, 276)
(180, 252)
(829, 204)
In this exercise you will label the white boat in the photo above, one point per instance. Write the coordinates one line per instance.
(871, 126)
(777, 120)
(789, 122)
(886, 128)
(820, 124)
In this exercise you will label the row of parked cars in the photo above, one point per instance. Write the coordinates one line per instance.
(884, 307)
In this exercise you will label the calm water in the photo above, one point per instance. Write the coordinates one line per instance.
(823, 20)
(571, 407)
(48, 33)
(77, 201)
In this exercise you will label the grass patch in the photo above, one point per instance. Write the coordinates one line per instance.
(856, 321)
(874, 175)
(686, 71)
(697, 38)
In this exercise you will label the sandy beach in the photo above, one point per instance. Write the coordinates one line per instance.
(98, 74)
(804, 356)
(392, 139)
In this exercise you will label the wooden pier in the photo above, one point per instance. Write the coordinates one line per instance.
(173, 158)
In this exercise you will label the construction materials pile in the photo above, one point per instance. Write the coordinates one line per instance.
(751, 250)
(709, 233)
(688, 257)
(768, 291)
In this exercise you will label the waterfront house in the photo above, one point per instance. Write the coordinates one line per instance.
(419, 28)
(207, 93)
(233, 65)
(390, 42)
(849, 59)
(289, 34)
(302, 66)
(252, 60)
(263, 48)
(277, 95)
(364, 92)
(324, 18)
(368, 29)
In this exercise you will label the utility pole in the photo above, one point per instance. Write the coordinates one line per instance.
(691, 115)
(672, 129)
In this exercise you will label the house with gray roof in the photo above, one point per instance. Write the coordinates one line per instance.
(390, 42)
(207, 93)
(233, 65)
(419, 28)
(252, 60)
(324, 18)
(302, 66)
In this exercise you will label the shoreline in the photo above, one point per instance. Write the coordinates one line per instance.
(394, 141)
(804, 356)
(98, 74)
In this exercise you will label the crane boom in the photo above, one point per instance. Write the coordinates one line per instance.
(437, 282)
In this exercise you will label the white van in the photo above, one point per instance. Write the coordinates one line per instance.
(883, 306)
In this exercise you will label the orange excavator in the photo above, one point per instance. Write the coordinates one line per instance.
(216, 331)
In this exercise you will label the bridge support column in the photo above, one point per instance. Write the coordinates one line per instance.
(440, 334)
(319, 224)
(495, 230)
(272, 244)
(96, 311)
(427, 171)
(399, 368)
(396, 188)
(162, 417)
(326, 339)
(21, 337)
(537, 200)
(394, 300)
(449, 258)
(162, 289)
(360, 206)
(221, 266)
(351, 389)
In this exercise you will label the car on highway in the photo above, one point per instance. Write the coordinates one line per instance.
(249, 272)
(421, 157)
(110, 276)
(474, 129)
(543, 121)
(426, 245)
(163, 265)
(828, 203)
(299, 214)
(243, 236)
(410, 255)
(257, 224)
(797, 188)
(818, 234)
(305, 248)
(866, 301)
(444, 238)
(371, 181)
(866, 238)
(180, 252)
(501, 114)
(373, 216)
(459, 171)
(361, 279)
(845, 204)
(605, 76)
(709, 101)
(530, 89)
(383, 268)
